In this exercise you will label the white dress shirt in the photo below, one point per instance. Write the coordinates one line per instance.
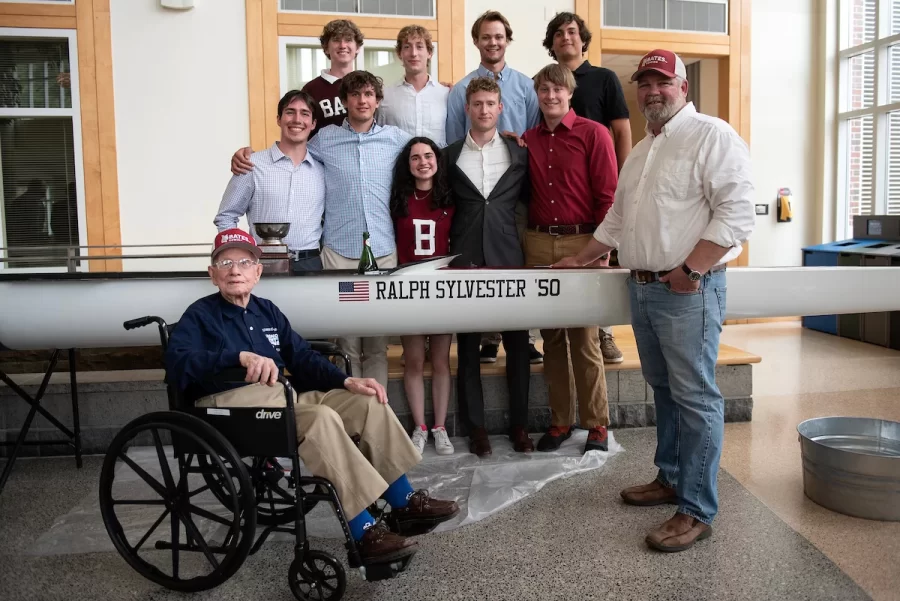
(691, 182)
(484, 166)
(422, 113)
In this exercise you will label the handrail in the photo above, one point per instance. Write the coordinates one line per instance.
(73, 255)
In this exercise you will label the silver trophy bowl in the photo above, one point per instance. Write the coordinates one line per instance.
(272, 233)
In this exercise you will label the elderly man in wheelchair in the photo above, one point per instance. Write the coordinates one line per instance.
(235, 329)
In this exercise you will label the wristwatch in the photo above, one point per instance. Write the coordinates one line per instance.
(694, 276)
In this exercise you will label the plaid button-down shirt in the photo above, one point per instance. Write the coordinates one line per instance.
(358, 176)
(276, 191)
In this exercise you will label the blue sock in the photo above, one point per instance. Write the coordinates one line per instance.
(359, 523)
(398, 493)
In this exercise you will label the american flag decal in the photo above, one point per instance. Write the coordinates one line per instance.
(353, 291)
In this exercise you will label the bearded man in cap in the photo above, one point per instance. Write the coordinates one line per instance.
(235, 328)
(682, 209)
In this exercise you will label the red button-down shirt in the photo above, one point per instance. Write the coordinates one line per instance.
(573, 172)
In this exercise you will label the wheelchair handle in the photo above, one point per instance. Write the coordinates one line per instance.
(140, 322)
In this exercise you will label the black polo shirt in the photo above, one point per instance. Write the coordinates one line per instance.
(212, 333)
(598, 95)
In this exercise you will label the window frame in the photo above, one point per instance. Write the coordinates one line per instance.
(879, 111)
(727, 4)
(51, 2)
(351, 16)
(75, 114)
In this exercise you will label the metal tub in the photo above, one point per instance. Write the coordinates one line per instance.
(852, 465)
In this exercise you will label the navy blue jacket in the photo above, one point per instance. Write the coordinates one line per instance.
(212, 333)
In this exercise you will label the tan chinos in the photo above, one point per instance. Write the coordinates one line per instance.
(325, 423)
(582, 344)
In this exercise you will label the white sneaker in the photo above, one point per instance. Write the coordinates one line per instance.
(442, 443)
(419, 438)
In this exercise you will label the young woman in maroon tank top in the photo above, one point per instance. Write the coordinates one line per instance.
(422, 212)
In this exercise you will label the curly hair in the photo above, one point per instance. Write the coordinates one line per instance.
(414, 31)
(356, 81)
(404, 183)
(564, 19)
(483, 84)
(340, 29)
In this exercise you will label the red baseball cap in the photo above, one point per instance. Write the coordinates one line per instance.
(662, 61)
(235, 238)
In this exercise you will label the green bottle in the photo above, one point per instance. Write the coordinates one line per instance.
(367, 258)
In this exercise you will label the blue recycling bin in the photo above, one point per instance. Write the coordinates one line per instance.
(832, 254)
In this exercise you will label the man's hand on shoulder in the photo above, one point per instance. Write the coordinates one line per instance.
(259, 369)
(240, 161)
(513, 136)
(368, 387)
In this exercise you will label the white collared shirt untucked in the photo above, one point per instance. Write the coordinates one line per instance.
(484, 166)
(422, 113)
(693, 181)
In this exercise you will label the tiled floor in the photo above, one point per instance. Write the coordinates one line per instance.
(574, 538)
(806, 374)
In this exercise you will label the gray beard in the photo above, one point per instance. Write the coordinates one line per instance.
(661, 113)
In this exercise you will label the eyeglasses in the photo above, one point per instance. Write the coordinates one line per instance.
(227, 264)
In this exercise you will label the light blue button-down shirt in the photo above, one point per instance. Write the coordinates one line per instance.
(276, 191)
(359, 169)
(520, 103)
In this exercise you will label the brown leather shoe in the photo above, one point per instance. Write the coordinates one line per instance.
(422, 514)
(380, 545)
(646, 495)
(678, 533)
(479, 443)
(522, 443)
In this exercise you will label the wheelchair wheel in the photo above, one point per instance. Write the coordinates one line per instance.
(161, 479)
(317, 577)
(268, 477)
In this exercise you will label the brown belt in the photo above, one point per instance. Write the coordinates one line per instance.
(561, 230)
(645, 277)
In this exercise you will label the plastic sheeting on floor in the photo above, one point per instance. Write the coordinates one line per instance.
(481, 486)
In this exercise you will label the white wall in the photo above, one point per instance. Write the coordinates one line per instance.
(528, 19)
(785, 126)
(180, 84)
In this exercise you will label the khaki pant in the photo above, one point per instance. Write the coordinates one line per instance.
(325, 423)
(581, 344)
(368, 356)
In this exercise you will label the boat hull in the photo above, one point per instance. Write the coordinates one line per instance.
(88, 312)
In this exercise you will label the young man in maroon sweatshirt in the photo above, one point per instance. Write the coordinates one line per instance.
(341, 41)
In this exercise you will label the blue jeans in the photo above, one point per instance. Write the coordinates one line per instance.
(678, 342)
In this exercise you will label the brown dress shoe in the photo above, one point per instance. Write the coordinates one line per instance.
(479, 443)
(522, 443)
(645, 495)
(380, 545)
(422, 514)
(678, 533)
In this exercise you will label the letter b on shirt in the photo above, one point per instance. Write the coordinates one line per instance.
(424, 229)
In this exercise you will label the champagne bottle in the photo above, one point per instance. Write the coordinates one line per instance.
(367, 258)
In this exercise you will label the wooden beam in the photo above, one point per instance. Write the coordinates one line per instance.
(98, 128)
(255, 81)
(592, 13)
(106, 121)
(37, 21)
(459, 37)
(271, 71)
(370, 33)
(444, 32)
(641, 47)
(35, 10)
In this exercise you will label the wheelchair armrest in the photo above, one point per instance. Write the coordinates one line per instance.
(324, 347)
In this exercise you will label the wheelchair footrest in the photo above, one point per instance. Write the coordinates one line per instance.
(373, 572)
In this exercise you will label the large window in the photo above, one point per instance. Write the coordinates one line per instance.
(302, 59)
(868, 111)
(681, 15)
(40, 147)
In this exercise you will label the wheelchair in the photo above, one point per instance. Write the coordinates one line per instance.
(229, 456)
